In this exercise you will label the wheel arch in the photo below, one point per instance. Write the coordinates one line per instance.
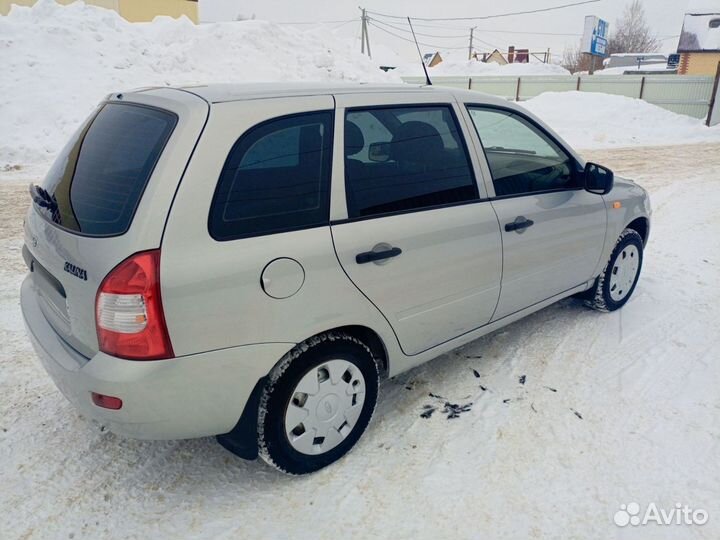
(363, 333)
(640, 225)
(370, 338)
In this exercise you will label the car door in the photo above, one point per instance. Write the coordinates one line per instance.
(412, 232)
(553, 230)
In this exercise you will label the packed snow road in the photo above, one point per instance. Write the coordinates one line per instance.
(574, 413)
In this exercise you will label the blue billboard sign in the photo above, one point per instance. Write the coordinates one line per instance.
(595, 36)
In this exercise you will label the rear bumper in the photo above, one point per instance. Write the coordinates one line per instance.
(190, 396)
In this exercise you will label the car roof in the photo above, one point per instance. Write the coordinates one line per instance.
(218, 93)
(226, 92)
(221, 93)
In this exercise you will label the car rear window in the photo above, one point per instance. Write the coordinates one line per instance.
(96, 184)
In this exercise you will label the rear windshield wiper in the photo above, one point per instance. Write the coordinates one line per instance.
(511, 150)
(43, 199)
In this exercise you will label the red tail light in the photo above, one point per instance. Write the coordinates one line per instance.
(128, 310)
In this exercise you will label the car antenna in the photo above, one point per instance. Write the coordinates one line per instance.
(427, 77)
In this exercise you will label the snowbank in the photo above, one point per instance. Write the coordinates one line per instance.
(58, 62)
(590, 120)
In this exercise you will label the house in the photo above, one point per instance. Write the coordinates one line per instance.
(513, 56)
(699, 45)
(495, 57)
(518, 56)
(432, 59)
(132, 10)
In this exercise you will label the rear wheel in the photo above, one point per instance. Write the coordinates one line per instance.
(317, 404)
(620, 276)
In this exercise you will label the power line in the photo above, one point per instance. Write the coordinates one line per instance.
(430, 25)
(343, 24)
(442, 47)
(448, 26)
(485, 17)
(487, 43)
(375, 22)
(529, 33)
(479, 30)
(318, 22)
(417, 33)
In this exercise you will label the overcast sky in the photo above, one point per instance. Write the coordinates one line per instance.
(664, 17)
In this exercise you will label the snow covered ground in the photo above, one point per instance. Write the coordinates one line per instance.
(520, 464)
(594, 120)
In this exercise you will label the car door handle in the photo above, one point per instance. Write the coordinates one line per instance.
(520, 223)
(372, 256)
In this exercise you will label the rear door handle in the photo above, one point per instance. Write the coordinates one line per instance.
(521, 223)
(372, 256)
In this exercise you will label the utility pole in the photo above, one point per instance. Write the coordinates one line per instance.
(362, 31)
(367, 37)
(470, 47)
(364, 35)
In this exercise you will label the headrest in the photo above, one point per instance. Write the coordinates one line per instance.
(416, 141)
(354, 140)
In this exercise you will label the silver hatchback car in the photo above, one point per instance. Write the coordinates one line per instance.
(249, 261)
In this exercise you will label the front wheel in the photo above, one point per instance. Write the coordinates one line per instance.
(317, 404)
(620, 276)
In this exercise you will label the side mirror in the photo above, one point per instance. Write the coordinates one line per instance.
(598, 179)
(379, 152)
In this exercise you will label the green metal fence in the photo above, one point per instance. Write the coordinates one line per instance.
(681, 94)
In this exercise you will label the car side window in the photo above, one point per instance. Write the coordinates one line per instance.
(276, 178)
(405, 158)
(522, 159)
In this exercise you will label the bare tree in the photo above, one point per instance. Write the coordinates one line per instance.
(632, 33)
(574, 60)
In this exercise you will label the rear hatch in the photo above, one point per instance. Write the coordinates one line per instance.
(106, 197)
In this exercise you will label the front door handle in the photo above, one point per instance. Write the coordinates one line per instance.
(372, 256)
(520, 224)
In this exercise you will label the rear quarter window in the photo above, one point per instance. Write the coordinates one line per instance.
(276, 178)
(97, 182)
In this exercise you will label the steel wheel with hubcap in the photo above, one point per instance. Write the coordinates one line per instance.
(318, 402)
(624, 272)
(620, 276)
(324, 407)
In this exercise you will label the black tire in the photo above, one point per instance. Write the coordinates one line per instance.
(273, 444)
(599, 297)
